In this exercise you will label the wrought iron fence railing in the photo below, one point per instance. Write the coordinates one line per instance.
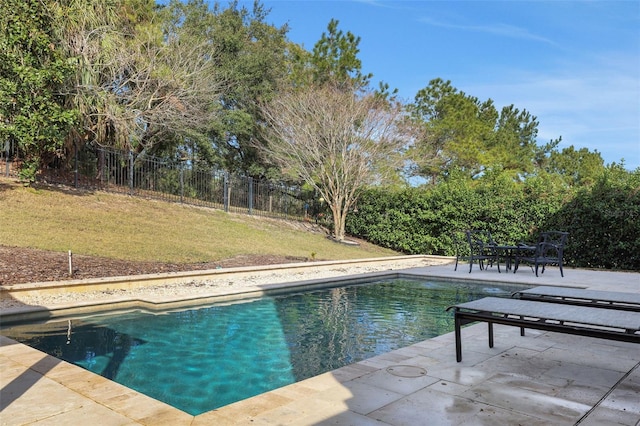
(174, 180)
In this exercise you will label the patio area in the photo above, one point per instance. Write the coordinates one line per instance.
(539, 379)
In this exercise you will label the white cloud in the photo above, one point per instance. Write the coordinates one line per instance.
(499, 29)
(596, 106)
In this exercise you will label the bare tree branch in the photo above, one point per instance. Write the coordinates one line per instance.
(337, 142)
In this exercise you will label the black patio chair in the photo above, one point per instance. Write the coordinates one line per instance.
(481, 248)
(461, 247)
(548, 251)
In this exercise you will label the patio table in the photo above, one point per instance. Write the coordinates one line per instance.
(511, 253)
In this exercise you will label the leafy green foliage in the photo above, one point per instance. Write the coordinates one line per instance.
(462, 133)
(32, 73)
(335, 60)
(602, 221)
(251, 59)
(578, 167)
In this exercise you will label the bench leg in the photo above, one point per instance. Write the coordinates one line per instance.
(490, 327)
(458, 339)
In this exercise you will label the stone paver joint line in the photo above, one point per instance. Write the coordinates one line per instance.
(606, 395)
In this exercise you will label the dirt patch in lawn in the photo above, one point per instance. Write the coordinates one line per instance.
(25, 265)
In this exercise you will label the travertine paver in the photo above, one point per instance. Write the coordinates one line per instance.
(605, 416)
(41, 399)
(430, 405)
(539, 379)
(534, 403)
(401, 385)
(626, 396)
(358, 396)
(93, 414)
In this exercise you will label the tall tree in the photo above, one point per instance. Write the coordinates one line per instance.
(335, 141)
(33, 71)
(463, 134)
(142, 78)
(514, 146)
(577, 167)
(94, 36)
(455, 130)
(333, 60)
(194, 82)
(251, 57)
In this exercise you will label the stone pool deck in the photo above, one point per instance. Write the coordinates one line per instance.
(540, 379)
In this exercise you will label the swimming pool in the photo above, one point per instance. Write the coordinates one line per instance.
(201, 359)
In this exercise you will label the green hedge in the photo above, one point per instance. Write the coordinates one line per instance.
(603, 222)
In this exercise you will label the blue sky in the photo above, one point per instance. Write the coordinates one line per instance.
(573, 64)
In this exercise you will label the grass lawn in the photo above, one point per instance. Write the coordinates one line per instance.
(123, 227)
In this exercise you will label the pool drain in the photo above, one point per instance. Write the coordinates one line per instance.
(406, 371)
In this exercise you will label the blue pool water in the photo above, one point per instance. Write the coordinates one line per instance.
(201, 359)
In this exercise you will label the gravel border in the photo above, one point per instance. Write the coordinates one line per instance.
(229, 283)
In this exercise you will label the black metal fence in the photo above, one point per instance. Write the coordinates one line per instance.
(98, 168)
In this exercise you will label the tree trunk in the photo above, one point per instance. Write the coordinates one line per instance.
(338, 223)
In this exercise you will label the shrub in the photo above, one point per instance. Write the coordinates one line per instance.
(603, 221)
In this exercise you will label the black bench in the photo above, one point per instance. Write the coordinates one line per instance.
(612, 324)
(577, 296)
